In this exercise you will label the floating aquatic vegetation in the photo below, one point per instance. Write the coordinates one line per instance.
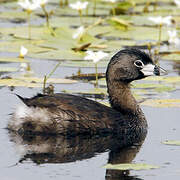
(32, 81)
(162, 103)
(172, 142)
(8, 69)
(130, 166)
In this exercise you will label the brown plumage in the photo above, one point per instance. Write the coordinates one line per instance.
(71, 115)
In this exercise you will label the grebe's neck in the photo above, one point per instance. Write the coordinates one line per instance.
(122, 100)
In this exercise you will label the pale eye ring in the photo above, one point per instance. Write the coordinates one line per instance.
(139, 64)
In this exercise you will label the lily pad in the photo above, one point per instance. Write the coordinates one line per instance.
(60, 55)
(33, 81)
(170, 79)
(8, 69)
(16, 82)
(94, 91)
(65, 21)
(119, 23)
(137, 33)
(11, 15)
(174, 57)
(172, 142)
(14, 46)
(12, 60)
(115, 45)
(49, 80)
(84, 63)
(37, 33)
(164, 103)
(150, 86)
(156, 87)
(128, 166)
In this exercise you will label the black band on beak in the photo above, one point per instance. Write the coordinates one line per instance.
(159, 71)
(156, 70)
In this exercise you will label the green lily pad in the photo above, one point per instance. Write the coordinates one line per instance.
(33, 81)
(37, 33)
(8, 69)
(11, 15)
(174, 57)
(128, 166)
(15, 45)
(49, 80)
(60, 55)
(164, 103)
(100, 91)
(105, 103)
(172, 142)
(65, 21)
(13, 60)
(154, 86)
(114, 46)
(119, 23)
(170, 79)
(84, 63)
(16, 82)
(137, 33)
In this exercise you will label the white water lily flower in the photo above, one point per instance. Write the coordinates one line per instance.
(23, 67)
(29, 5)
(79, 5)
(95, 56)
(79, 32)
(42, 2)
(23, 52)
(161, 20)
(112, 1)
(173, 39)
(177, 2)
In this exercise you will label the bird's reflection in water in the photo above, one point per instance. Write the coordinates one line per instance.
(60, 149)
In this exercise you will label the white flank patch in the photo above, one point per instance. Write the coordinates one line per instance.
(24, 113)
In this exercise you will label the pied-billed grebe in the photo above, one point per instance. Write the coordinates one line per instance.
(70, 115)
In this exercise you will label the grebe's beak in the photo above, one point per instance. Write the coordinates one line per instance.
(151, 70)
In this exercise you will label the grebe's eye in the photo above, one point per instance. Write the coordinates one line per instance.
(139, 63)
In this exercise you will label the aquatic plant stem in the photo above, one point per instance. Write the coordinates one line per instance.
(66, 2)
(61, 3)
(44, 84)
(46, 15)
(29, 24)
(47, 20)
(149, 47)
(160, 34)
(146, 7)
(159, 43)
(87, 11)
(113, 10)
(96, 69)
(80, 15)
(46, 77)
(94, 8)
(155, 5)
